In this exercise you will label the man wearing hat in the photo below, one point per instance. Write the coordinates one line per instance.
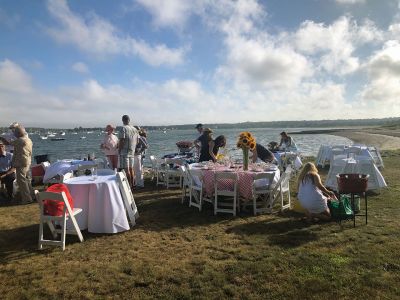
(7, 172)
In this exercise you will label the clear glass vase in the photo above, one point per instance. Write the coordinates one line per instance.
(245, 158)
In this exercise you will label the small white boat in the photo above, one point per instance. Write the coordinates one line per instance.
(74, 133)
(62, 133)
(89, 132)
(43, 137)
(51, 135)
(83, 137)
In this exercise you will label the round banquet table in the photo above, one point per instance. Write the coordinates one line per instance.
(103, 209)
(245, 179)
(360, 165)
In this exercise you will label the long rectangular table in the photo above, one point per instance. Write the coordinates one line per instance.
(245, 178)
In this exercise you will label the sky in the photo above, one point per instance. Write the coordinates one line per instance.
(65, 64)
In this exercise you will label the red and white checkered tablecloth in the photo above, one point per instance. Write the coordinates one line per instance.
(245, 180)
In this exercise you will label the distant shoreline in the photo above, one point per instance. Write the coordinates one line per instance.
(385, 139)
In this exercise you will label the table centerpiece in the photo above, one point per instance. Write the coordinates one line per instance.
(246, 142)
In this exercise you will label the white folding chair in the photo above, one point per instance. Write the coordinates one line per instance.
(226, 199)
(153, 161)
(279, 190)
(185, 182)
(127, 197)
(68, 213)
(196, 188)
(261, 189)
(159, 170)
(172, 174)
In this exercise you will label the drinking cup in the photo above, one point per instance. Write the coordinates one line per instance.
(94, 173)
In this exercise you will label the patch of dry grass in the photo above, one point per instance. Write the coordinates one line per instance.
(178, 252)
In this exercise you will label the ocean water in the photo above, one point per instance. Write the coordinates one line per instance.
(163, 142)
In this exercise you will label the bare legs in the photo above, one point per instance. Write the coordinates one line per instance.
(324, 216)
(113, 160)
(130, 175)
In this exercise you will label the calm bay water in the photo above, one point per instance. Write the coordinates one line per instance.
(161, 143)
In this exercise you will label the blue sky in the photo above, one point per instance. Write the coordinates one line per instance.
(88, 62)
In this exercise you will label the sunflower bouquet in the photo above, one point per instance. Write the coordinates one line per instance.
(246, 142)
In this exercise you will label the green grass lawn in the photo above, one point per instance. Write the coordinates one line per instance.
(178, 252)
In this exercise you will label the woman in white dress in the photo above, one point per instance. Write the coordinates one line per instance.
(312, 195)
(110, 146)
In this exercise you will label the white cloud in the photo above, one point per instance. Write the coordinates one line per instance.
(383, 90)
(350, 1)
(13, 78)
(80, 67)
(187, 101)
(98, 36)
(169, 13)
(335, 43)
(263, 63)
(260, 76)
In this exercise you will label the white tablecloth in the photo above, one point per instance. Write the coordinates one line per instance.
(327, 153)
(101, 202)
(62, 167)
(361, 165)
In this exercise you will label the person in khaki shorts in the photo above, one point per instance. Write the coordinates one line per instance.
(21, 161)
(128, 137)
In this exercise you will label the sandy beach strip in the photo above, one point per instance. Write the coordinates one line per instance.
(384, 139)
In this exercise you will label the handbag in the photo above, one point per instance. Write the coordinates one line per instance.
(341, 210)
